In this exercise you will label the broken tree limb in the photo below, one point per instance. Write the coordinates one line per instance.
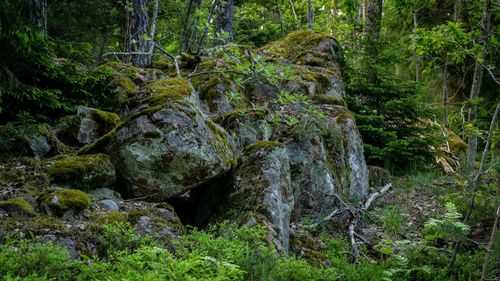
(174, 58)
(375, 195)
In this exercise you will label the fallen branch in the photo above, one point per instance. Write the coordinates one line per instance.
(174, 58)
(375, 195)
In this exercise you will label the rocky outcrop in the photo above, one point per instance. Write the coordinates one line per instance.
(260, 137)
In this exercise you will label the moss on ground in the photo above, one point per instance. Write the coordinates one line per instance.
(17, 206)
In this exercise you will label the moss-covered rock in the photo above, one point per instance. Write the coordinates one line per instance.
(17, 206)
(88, 171)
(262, 192)
(167, 151)
(23, 140)
(58, 202)
(304, 47)
(163, 91)
(95, 123)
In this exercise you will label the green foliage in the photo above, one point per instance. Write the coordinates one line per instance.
(392, 219)
(448, 226)
(34, 261)
(392, 121)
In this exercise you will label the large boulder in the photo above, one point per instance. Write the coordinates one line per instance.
(262, 192)
(166, 150)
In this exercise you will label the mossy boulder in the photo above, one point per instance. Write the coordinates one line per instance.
(316, 61)
(168, 150)
(61, 201)
(85, 172)
(17, 206)
(164, 91)
(262, 192)
(23, 140)
(378, 176)
(123, 82)
(95, 123)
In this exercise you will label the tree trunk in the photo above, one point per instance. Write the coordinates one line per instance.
(476, 83)
(224, 22)
(280, 14)
(189, 29)
(415, 55)
(372, 17)
(445, 95)
(310, 14)
(141, 33)
(37, 14)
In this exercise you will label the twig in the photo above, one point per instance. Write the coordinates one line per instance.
(375, 195)
(174, 58)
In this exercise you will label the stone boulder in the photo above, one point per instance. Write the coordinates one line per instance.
(83, 172)
(166, 150)
(262, 192)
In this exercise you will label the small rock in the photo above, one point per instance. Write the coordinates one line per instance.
(109, 205)
(105, 193)
(166, 214)
(144, 225)
(39, 145)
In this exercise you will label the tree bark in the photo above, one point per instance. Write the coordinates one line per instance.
(372, 17)
(142, 34)
(280, 14)
(310, 15)
(224, 22)
(476, 83)
(37, 14)
(445, 95)
(415, 55)
(189, 29)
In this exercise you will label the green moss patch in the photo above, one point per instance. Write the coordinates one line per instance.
(262, 145)
(61, 200)
(86, 171)
(17, 206)
(163, 91)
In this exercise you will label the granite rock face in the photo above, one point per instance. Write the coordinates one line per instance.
(167, 150)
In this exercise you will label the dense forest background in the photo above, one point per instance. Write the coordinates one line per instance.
(421, 78)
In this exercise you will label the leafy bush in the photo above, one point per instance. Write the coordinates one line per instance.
(34, 261)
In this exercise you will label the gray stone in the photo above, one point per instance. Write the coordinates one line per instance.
(109, 205)
(39, 145)
(143, 226)
(105, 193)
(170, 151)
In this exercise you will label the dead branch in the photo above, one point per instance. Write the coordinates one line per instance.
(375, 195)
(174, 58)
